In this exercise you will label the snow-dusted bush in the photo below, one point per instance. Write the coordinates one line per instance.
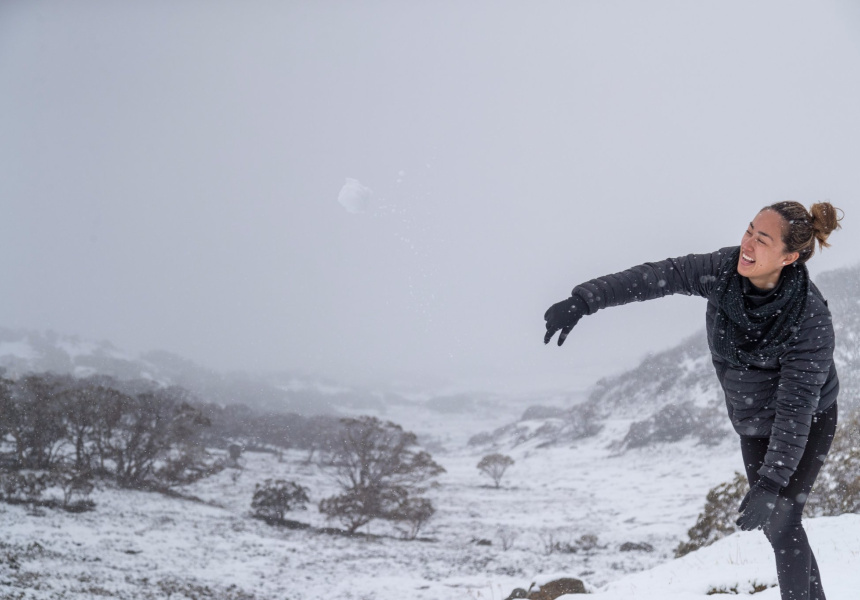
(75, 484)
(410, 516)
(60, 488)
(837, 489)
(718, 518)
(551, 544)
(20, 486)
(274, 498)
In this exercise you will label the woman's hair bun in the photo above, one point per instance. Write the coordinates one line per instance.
(824, 221)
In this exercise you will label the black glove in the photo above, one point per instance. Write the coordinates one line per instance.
(563, 315)
(758, 504)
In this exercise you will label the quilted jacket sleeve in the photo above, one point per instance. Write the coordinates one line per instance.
(694, 274)
(803, 371)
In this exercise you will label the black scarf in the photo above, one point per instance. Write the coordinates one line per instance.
(745, 334)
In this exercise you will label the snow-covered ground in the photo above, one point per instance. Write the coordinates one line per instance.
(744, 561)
(482, 543)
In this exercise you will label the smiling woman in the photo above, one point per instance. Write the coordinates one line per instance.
(781, 234)
(771, 339)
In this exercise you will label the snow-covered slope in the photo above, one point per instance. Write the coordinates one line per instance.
(743, 564)
(560, 511)
(549, 501)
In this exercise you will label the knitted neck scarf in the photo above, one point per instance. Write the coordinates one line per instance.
(745, 334)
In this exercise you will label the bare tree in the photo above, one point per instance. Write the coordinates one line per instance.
(82, 402)
(494, 466)
(30, 413)
(381, 474)
(149, 438)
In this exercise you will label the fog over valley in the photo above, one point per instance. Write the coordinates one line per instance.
(392, 193)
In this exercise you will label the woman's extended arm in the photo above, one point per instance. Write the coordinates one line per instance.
(693, 274)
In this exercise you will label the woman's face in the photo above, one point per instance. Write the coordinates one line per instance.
(763, 254)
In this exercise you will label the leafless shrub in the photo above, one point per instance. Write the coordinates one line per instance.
(548, 541)
(507, 536)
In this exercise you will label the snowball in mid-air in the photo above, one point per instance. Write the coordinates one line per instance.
(354, 197)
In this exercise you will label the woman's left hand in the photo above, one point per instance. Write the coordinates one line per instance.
(757, 506)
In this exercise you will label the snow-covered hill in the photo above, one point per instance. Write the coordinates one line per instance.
(674, 394)
(24, 351)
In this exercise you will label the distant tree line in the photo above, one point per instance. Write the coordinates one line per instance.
(62, 433)
(56, 428)
(255, 430)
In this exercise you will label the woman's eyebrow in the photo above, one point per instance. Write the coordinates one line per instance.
(760, 232)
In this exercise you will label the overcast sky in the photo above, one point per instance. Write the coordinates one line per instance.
(170, 172)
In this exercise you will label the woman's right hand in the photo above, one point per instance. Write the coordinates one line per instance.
(563, 316)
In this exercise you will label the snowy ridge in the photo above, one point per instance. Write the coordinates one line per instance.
(681, 374)
(671, 395)
(23, 351)
(674, 394)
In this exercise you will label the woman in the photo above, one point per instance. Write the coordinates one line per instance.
(771, 340)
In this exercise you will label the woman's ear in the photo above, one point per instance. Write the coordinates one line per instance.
(790, 258)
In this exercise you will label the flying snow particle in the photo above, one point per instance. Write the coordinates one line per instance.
(354, 196)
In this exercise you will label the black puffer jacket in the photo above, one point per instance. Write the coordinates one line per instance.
(775, 398)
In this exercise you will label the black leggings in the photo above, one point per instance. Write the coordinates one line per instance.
(796, 568)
